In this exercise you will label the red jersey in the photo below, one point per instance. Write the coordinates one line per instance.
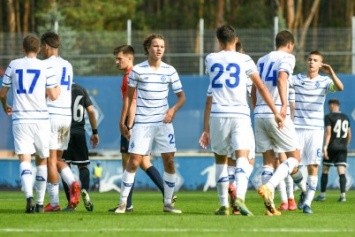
(124, 86)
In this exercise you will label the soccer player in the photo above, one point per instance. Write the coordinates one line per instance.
(336, 140)
(77, 152)
(60, 119)
(227, 121)
(275, 68)
(32, 80)
(153, 118)
(311, 91)
(124, 55)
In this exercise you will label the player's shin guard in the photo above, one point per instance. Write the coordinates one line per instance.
(26, 178)
(53, 192)
(242, 173)
(222, 184)
(67, 175)
(41, 183)
(126, 185)
(312, 182)
(169, 185)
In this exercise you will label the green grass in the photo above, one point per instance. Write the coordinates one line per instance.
(330, 218)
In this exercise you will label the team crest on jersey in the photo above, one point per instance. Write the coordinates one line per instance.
(163, 78)
(317, 84)
(132, 145)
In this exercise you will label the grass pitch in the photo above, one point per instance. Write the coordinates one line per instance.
(330, 218)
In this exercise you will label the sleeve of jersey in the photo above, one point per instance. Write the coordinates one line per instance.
(7, 79)
(288, 64)
(175, 82)
(209, 91)
(327, 121)
(87, 99)
(251, 67)
(133, 78)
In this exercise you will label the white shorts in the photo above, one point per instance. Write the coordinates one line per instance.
(60, 134)
(311, 144)
(144, 137)
(230, 132)
(32, 138)
(269, 137)
(251, 155)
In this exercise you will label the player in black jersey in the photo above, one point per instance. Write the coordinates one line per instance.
(77, 152)
(336, 140)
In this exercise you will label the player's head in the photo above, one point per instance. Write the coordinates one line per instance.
(239, 47)
(285, 40)
(124, 56)
(314, 61)
(154, 46)
(50, 43)
(333, 105)
(31, 44)
(226, 34)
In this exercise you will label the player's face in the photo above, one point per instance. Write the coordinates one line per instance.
(314, 63)
(156, 49)
(123, 61)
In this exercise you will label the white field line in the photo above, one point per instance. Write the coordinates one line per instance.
(177, 230)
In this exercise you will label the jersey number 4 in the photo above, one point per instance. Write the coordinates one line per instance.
(268, 77)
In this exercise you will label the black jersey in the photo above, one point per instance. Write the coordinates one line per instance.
(340, 124)
(80, 101)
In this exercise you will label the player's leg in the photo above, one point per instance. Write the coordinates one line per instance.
(341, 164)
(232, 184)
(281, 188)
(323, 183)
(153, 173)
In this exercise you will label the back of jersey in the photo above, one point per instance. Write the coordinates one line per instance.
(340, 125)
(61, 107)
(269, 67)
(228, 72)
(29, 78)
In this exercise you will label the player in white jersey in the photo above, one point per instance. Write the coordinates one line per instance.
(229, 122)
(31, 80)
(60, 119)
(153, 118)
(311, 91)
(275, 69)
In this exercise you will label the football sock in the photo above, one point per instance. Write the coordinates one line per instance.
(84, 176)
(126, 185)
(266, 174)
(130, 195)
(284, 169)
(231, 174)
(242, 173)
(342, 182)
(53, 192)
(222, 184)
(299, 180)
(324, 182)
(282, 191)
(289, 187)
(41, 183)
(312, 182)
(26, 178)
(155, 176)
(169, 185)
(67, 175)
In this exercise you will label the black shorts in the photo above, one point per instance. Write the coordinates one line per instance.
(77, 152)
(336, 158)
(124, 142)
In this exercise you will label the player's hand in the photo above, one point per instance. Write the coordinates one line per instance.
(7, 109)
(205, 140)
(279, 121)
(283, 111)
(326, 68)
(169, 115)
(326, 157)
(94, 140)
(124, 131)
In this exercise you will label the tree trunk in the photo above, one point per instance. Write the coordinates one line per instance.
(290, 14)
(219, 18)
(307, 23)
(17, 16)
(11, 16)
(26, 16)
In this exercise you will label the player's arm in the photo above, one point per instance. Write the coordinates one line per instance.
(337, 84)
(126, 106)
(253, 96)
(282, 88)
(348, 139)
(204, 140)
(131, 112)
(328, 133)
(94, 139)
(171, 111)
(264, 92)
(3, 97)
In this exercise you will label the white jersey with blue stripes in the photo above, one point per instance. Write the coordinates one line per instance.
(29, 79)
(152, 89)
(228, 72)
(269, 66)
(61, 107)
(310, 97)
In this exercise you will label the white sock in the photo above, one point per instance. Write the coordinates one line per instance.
(41, 183)
(169, 185)
(284, 169)
(222, 184)
(299, 180)
(53, 192)
(67, 176)
(289, 187)
(242, 174)
(282, 191)
(312, 182)
(231, 174)
(26, 178)
(266, 174)
(126, 185)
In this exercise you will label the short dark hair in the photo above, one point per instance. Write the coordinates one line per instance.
(226, 34)
(316, 52)
(239, 47)
(125, 49)
(51, 39)
(148, 41)
(333, 101)
(283, 38)
(30, 44)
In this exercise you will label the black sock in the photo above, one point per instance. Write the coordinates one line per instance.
(342, 182)
(155, 176)
(129, 198)
(84, 176)
(324, 182)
